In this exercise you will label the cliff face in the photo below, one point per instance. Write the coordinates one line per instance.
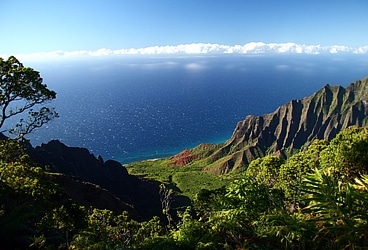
(91, 195)
(320, 116)
(79, 166)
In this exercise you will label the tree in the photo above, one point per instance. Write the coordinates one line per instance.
(265, 170)
(21, 90)
(293, 171)
(33, 209)
(347, 153)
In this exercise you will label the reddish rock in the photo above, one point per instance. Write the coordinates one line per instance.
(183, 158)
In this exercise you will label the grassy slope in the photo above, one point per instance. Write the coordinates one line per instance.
(191, 178)
(188, 180)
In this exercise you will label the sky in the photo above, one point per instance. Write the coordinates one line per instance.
(96, 27)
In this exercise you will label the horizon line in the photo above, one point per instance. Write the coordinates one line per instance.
(251, 48)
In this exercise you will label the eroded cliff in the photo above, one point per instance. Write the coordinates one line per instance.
(83, 170)
(319, 116)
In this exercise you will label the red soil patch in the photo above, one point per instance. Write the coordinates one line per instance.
(183, 158)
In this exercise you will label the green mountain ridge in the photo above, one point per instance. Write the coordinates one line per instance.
(319, 116)
(59, 197)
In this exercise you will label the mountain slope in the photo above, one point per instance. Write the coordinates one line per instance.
(81, 169)
(319, 116)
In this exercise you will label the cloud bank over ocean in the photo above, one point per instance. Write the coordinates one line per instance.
(204, 48)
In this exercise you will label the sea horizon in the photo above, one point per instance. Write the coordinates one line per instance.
(137, 108)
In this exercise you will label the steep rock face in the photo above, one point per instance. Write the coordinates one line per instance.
(320, 116)
(91, 195)
(142, 194)
(75, 161)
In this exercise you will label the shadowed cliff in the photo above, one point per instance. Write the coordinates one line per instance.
(82, 170)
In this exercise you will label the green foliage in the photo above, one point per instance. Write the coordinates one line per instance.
(251, 197)
(23, 179)
(287, 231)
(316, 199)
(293, 171)
(66, 220)
(21, 89)
(264, 208)
(307, 202)
(102, 232)
(108, 231)
(232, 211)
(190, 183)
(19, 174)
(187, 180)
(207, 201)
(339, 209)
(193, 234)
(12, 151)
(30, 203)
(265, 170)
(153, 169)
(347, 154)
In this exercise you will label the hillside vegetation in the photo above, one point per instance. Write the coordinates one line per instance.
(293, 179)
(316, 199)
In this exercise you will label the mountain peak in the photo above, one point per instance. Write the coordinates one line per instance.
(319, 116)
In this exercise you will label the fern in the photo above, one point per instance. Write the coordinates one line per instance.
(339, 209)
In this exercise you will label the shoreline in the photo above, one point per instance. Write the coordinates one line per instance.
(150, 156)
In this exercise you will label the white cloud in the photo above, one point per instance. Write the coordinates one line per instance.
(201, 48)
(362, 50)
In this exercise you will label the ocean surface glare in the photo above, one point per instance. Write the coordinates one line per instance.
(136, 108)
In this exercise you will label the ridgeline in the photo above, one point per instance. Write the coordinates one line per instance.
(290, 127)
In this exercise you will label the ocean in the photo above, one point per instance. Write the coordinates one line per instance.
(132, 108)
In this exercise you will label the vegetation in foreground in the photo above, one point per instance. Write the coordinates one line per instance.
(187, 180)
(316, 199)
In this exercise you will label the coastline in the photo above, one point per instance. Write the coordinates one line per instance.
(155, 155)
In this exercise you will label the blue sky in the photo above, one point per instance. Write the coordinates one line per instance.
(69, 25)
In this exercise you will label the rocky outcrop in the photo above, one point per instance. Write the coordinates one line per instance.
(183, 158)
(79, 163)
(320, 116)
(188, 155)
(92, 195)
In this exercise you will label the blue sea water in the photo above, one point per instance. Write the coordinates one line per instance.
(141, 107)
